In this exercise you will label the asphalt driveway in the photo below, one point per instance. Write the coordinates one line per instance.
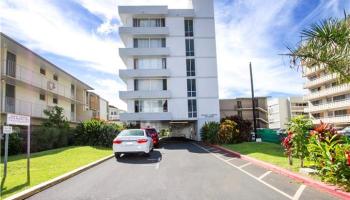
(180, 170)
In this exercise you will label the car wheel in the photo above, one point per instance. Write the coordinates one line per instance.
(117, 156)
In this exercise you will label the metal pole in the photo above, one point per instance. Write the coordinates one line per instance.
(253, 99)
(28, 155)
(6, 154)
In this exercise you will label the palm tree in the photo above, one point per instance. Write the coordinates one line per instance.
(325, 44)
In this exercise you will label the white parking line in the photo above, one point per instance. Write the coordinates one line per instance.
(216, 151)
(231, 159)
(249, 174)
(299, 192)
(245, 165)
(265, 174)
(158, 163)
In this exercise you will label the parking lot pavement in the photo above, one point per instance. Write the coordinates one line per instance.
(180, 170)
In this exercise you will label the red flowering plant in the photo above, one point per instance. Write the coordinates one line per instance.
(287, 143)
(330, 153)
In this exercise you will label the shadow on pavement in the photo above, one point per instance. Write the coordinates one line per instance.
(153, 158)
(180, 143)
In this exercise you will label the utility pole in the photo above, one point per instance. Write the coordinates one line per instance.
(253, 100)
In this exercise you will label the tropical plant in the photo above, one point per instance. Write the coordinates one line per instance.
(209, 132)
(244, 127)
(325, 44)
(228, 132)
(299, 128)
(287, 143)
(329, 151)
(55, 118)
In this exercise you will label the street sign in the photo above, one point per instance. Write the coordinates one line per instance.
(7, 130)
(21, 120)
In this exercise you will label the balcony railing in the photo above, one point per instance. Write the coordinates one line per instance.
(328, 106)
(143, 73)
(145, 116)
(328, 92)
(163, 51)
(320, 80)
(159, 94)
(312, 70)
(21, 107)
(35, 79)
(333, 120)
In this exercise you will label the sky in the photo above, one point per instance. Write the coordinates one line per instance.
(81, 37)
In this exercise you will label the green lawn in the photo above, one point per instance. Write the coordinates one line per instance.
(47, 165)
(268, 152)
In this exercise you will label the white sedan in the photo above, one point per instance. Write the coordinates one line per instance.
(132, 141)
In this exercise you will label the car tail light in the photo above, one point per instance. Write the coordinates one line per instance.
(117, 141)
(140, 141)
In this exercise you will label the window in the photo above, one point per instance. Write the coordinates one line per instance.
(192, 108)
(55, 100)
(189, 47)
(191, 87)
(72, 107)
(165, 87)
(188, 27)
(150, 63)
(55, 77)
(240, 113)
(11, 64)
(165, 106)
(190, 67)
(72, 90)
(163, 63)
(316, 115)
(239, 104)
(149, 42)
(340, 113)
(42, 97)
(137, 106)
(136, 85)
(146, 22)
(339, 98)
(151, 106)
(42, 71)
(150, 84)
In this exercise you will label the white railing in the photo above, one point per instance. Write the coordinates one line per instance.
(328, 91)
(21, 107)
(38, 80)
(308, 71)
(320, 80)
(334, 119)
(330, 105)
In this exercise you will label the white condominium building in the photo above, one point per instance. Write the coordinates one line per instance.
(329, 101)
(171, 67)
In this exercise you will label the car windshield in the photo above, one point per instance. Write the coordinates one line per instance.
(135, 132)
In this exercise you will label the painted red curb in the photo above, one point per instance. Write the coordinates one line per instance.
(307, 181)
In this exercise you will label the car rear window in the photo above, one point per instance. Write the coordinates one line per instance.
(132, 133)
(150, 131)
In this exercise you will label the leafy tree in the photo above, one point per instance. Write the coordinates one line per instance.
(299, 128)
(244, 127)
(209, 132)
(228, 132)
(325, 44)
(55, 118)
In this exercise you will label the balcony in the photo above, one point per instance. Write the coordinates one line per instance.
(320, 81)
(310, 71)
(143, 73)
(126, 52)
(143, 31)
(21, 107)
(146, 116)
(158, 94)
(29, 77)
(328, 92)
(345, 119)
(328, 106)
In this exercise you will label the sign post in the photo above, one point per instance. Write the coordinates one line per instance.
(6, 131)
(21, 120)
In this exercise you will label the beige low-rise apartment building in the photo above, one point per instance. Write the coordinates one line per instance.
(329, 101)
(243, 107)
(30, 84)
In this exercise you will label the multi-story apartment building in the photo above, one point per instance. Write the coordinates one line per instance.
(30, 84)
(297, 106)
(114, 113)
(329, 101)
(282, 109)
(243, 107)
(171, 74)
(96, 106)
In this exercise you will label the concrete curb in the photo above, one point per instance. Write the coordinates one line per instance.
(42, 186)
(307, 181)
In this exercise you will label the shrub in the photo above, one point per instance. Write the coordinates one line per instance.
(96, 133)
(299, 128)
(164, 133)
(46, 138)
(15, 143)
(244, 127)
(209, 132)
(228, 132)
(329, 150)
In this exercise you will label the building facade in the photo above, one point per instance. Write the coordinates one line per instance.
(30, 84)
(243, 107)
(282, 109)
(171, 67)
(114, 113)
(329, 101)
